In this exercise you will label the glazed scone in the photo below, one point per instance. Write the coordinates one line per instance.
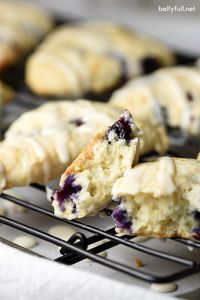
(64, 113)
(85, 187)
(170, 95)
(22, 25)
(160, 198)
(83, 119)
(91, 57)
(154, 137)
(6, 94)
(38, 146)
(33, 159)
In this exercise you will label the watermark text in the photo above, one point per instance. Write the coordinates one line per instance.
(176, 9)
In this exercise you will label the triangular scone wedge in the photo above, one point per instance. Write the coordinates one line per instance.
(85, 187)
(160, 198)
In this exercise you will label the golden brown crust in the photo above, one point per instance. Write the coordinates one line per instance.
(86, 154)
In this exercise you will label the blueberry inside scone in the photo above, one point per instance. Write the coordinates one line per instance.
(85, 187)
(160, 198)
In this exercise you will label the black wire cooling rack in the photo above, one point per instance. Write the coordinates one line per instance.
(75, 249)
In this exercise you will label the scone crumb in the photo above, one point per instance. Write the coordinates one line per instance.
(138, 263)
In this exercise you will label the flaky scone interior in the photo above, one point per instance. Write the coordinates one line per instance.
(160, 198)
(85, 187)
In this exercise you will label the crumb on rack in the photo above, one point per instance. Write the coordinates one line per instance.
(138, 263)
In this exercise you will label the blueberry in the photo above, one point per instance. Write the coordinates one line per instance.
(150, 64)
(196, 233)
(189, 96)
(122, 219)
(196, 215)
(67, 192)
(78, 122)
(122, 128)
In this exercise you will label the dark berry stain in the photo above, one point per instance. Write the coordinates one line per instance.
(67, 192)
(78, 122)
(122, 128)
(189, 96)
(150, 64)
(122, 219)
(196, 215)
(124, 76)
(196, 233)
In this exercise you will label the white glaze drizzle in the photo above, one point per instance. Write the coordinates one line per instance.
(154, 104)
(62, 231)
(25, 241)
(164, 177)
(42, 154)
(68, 72)
(179, 97)
(164, 287)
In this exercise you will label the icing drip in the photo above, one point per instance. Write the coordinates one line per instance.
(165, 175)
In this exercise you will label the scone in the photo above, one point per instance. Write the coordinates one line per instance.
(38, 146)
(6, 94)
(22, 26)
(91, 58)
(160, 198)
(33, 159)
(170, 96)
(83, 119)
(85, 187)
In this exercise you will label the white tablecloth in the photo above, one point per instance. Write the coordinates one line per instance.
(27, 277)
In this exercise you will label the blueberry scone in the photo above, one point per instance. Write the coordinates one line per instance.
(22, 26)
(6, 94)
(38, 146)
(160, 198)
(85, 187)
(91, 57)
(82, 119)
(170, 95)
